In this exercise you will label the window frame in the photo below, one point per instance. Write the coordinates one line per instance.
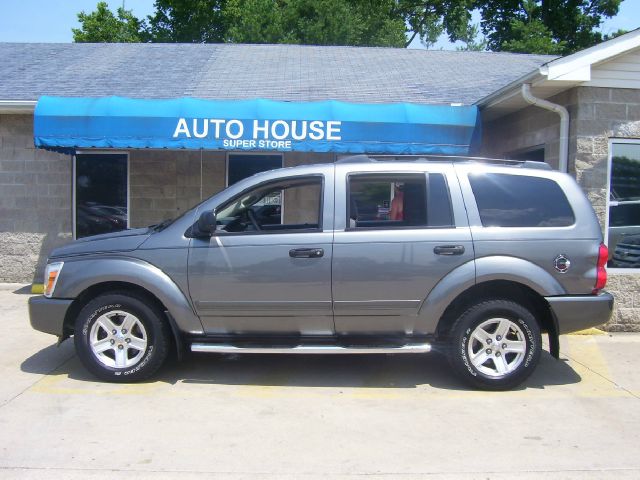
(319, 229)
(611, 142)
(74, 207)
(383, 175)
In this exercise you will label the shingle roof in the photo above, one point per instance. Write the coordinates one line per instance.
(277, 72)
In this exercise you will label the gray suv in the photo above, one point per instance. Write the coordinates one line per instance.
(475, 259)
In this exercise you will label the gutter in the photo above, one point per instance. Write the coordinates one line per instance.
(564, 123)
(17, 106)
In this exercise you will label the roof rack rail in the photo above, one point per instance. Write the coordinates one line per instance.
(445, 158)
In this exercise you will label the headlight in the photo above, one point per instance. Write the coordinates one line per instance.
(51, 274)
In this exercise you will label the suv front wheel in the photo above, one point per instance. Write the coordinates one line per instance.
(495, 345)
(120, 338)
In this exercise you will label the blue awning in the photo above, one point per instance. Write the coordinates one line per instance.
(66, 124)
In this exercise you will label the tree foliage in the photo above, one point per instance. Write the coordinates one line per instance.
(187, 21)
(315, 22)
(103, 26)
(531, 26)
(544, 26)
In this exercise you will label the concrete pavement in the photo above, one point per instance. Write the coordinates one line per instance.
(309, 417)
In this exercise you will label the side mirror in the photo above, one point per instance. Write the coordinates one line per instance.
(206, 225)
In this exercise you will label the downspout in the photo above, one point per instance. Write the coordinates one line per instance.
(564, 123)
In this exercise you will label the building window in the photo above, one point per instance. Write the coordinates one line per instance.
(243, 165)
(623, 220)
(533, 154)
(100, 193)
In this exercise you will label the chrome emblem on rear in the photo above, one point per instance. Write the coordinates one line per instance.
(562, 263)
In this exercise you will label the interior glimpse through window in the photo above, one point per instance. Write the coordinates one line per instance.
(289, 206)
(395, 201)
(624, 206)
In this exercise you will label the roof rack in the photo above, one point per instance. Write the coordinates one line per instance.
(430, 158)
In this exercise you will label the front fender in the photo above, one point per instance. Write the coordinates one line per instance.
(78, 274)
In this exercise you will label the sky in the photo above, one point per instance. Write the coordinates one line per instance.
(52, 20)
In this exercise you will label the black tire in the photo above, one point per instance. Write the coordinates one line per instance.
(149, 335)
(505, 366)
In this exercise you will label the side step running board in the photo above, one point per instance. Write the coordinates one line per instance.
(321, 349)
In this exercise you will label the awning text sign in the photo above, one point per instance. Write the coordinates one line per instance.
(66, 124)
(262, 134)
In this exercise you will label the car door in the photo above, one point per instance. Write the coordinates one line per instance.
(269, 278)
(398, 233)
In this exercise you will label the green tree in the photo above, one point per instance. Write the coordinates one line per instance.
(544, 26)
(103, 26)
(473, 40)
(314, 22)
(187, 21)
(427, 20)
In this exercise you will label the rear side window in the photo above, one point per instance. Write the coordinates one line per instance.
(520, 201)
(398, 200)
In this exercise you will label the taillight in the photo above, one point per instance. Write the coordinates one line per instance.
(601, 278)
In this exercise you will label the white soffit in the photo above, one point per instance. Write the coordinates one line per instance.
(557, 75)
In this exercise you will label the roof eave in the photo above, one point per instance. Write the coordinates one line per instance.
(17, 106)
(563, 73)
(509, 90)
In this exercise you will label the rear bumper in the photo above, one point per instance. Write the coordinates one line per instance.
(47, 314)
(573, 313)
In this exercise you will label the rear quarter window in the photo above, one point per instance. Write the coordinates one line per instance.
(520, 201)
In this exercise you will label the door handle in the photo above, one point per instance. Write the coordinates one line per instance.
(306, 253)
(449, 250)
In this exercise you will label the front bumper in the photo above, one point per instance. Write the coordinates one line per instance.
(579, 312)
(47, 314)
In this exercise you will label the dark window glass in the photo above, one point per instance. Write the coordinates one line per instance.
(536, 155)
(624, 206)
(520, 201)
(244, 165)
(438, 202)
(402, 200)
(101, 194)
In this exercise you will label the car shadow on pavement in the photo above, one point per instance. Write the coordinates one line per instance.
(346, 371)
(365, 371)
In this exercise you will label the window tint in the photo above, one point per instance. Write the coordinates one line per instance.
(401, 200)
(438, 202)
(291, 205)
(520, 201)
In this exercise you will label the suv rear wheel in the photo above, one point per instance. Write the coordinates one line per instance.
(120, 338)
(495, 345)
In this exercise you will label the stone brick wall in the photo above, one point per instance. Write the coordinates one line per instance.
(597, 115)
(35, 201)
(606, 113)
(529, 127)
(164, 184)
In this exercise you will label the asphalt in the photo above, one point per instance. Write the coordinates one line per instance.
(311, 417)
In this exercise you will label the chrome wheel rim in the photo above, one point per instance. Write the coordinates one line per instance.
(118, 339)
(497, 347)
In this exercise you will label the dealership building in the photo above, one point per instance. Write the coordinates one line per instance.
(101, 137)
